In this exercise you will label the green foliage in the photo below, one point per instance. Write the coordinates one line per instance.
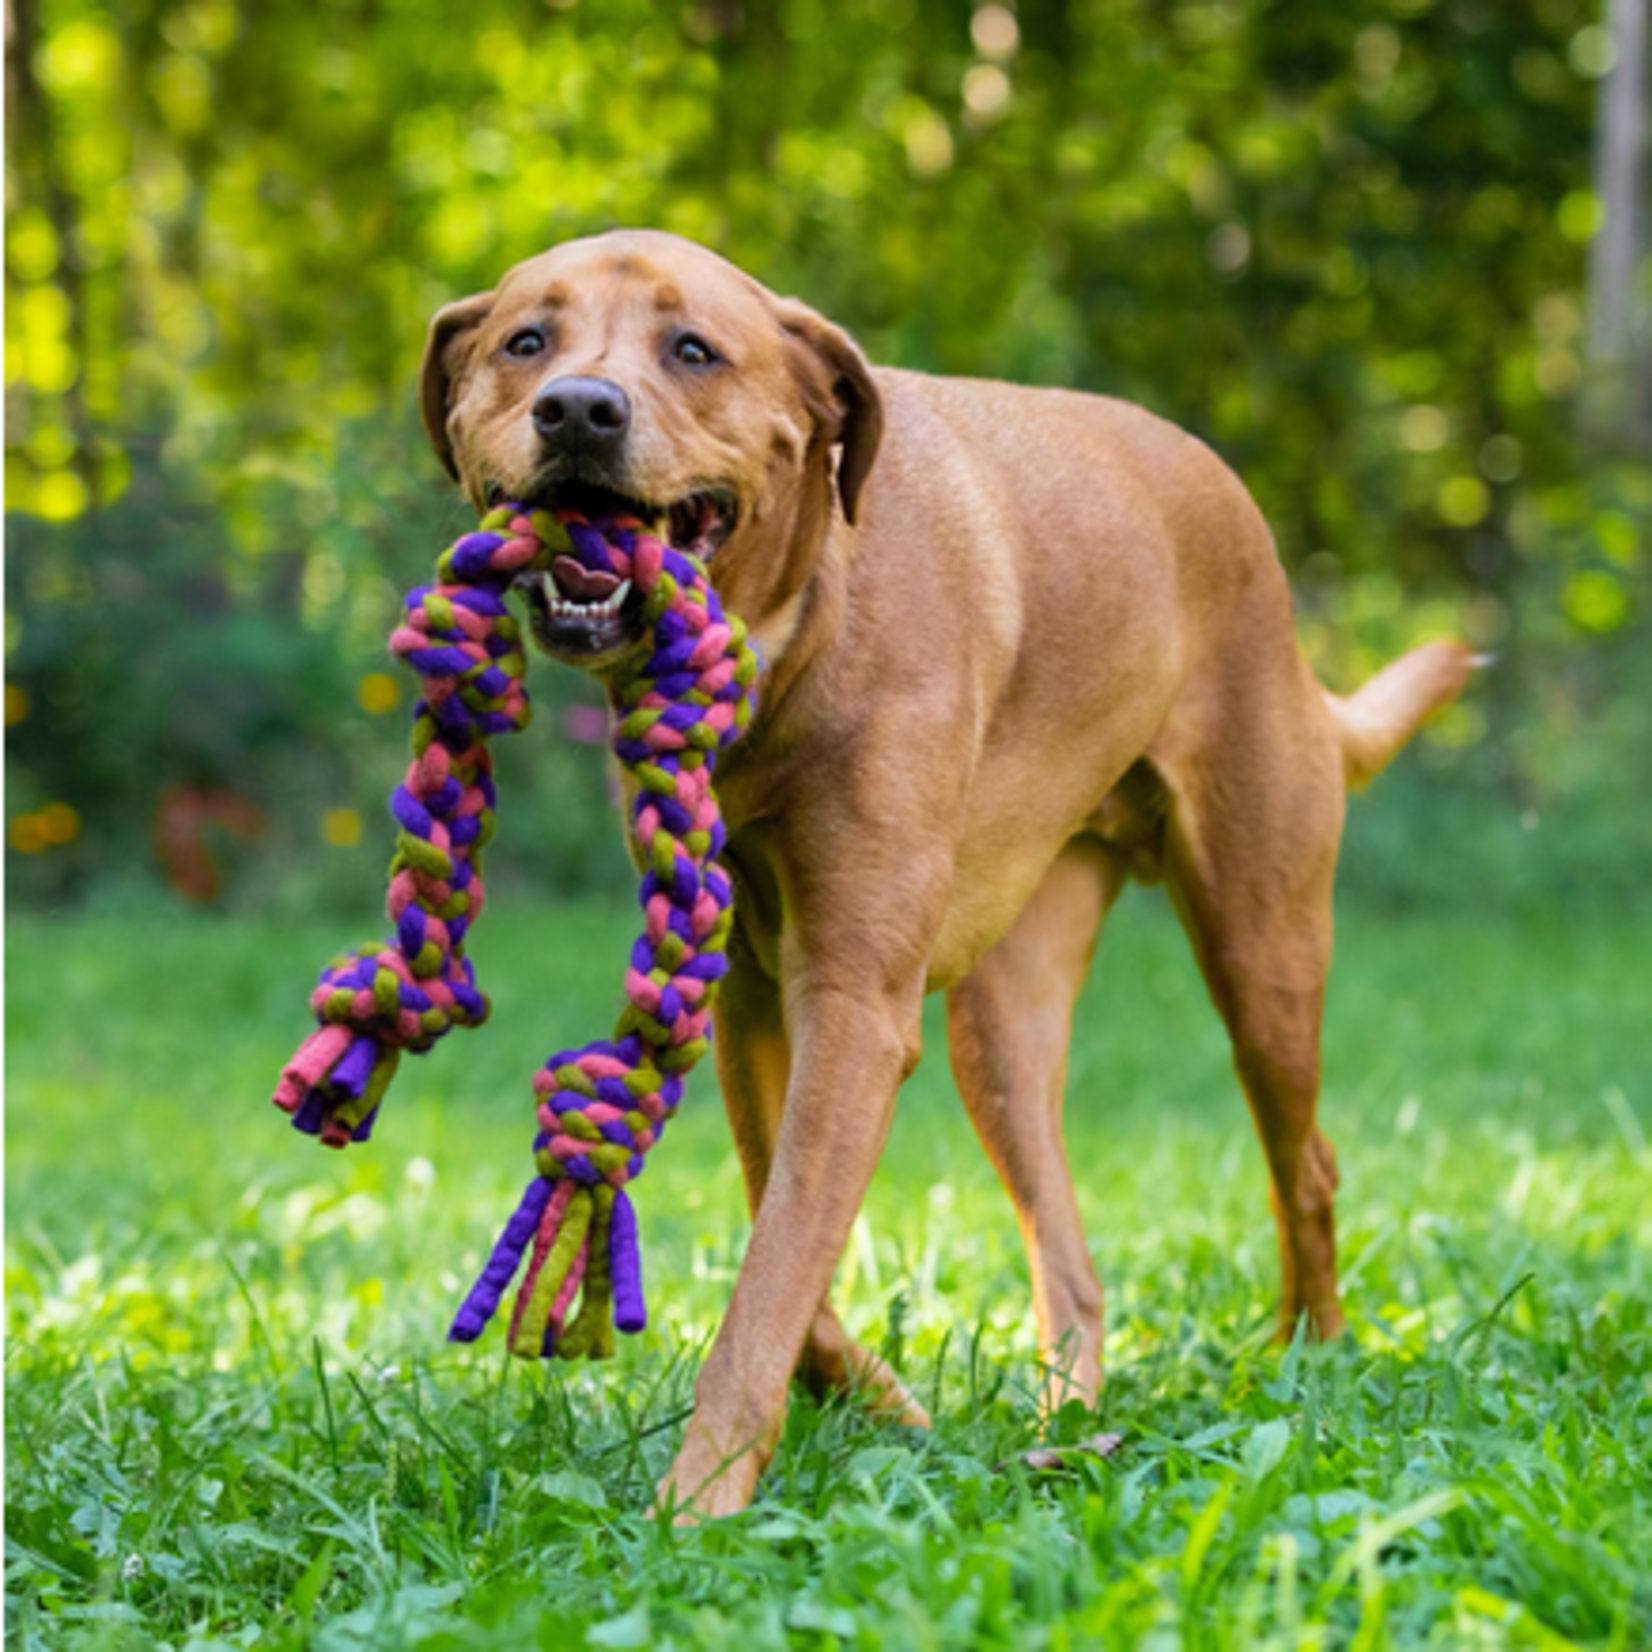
(154, 662)
(231, 1420)
(1344, 244)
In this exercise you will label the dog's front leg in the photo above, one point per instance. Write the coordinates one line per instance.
(754, 1061)
(854, 1037)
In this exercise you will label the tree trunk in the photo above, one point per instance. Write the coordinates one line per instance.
(1620, 329)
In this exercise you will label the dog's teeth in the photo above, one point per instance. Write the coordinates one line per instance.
(561, 607)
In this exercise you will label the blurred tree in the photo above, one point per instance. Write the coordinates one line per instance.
(1347, 245)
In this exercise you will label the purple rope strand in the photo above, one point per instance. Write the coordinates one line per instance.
(625, 1258)
(483, 1301)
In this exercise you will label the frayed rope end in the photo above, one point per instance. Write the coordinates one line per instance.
(332, 1087)
(583, 1241)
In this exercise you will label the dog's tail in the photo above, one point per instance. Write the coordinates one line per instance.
(1373, 723)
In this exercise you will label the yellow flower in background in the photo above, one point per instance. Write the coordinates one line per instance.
(342, 827)
(59, 824)
(24, 835)
(378, 692)
(54, 826)
(17, 704)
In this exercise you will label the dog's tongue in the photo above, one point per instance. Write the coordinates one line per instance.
(580, 583)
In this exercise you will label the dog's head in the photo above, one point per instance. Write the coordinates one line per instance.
(637, 373)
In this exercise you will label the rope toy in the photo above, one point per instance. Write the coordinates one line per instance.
(680, 693)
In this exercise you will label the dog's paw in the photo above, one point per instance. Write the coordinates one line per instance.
(688, 1501)
(706, 1482)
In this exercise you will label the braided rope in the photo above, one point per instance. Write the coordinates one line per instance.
(680, 694)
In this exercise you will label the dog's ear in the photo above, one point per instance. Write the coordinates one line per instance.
(841, 393)
(443, 351)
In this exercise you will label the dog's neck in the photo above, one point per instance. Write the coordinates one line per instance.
(790, 580)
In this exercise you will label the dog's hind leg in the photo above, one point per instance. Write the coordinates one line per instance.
(753, 1065)
(1008, 1025)
(1255, 817)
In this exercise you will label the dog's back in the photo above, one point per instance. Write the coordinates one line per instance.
(1109, 506)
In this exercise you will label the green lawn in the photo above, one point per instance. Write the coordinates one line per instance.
(232, 1420)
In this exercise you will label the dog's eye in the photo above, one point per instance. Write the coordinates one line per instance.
(693, 351)
(525, 341)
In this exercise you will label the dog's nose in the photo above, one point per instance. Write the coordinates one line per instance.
(588, 415)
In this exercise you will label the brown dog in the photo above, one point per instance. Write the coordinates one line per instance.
(1021, 646)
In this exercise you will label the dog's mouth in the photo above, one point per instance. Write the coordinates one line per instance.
(587, 616)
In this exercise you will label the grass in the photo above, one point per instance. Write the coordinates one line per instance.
(232, 1420)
